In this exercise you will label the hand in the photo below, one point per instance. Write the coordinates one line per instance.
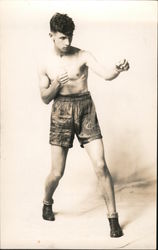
(122, 65)
(63, 78)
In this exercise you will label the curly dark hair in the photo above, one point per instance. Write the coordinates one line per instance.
(62, 23)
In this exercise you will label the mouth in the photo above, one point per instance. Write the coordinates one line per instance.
(66, 48)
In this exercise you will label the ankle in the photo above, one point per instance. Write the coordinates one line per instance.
(48, 203)
(112, 215)
(47, 206)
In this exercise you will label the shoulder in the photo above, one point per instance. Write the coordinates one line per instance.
(81, 53)
(44, 61)
(86, 56)
(78, 51)
(41, 63)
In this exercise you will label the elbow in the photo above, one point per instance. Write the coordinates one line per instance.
(108, 79)
(45, 100)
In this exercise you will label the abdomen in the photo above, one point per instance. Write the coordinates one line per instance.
(73, 87)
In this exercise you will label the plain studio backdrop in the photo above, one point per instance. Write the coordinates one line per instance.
(126, 109)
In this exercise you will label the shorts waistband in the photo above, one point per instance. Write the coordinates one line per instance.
(74, 97)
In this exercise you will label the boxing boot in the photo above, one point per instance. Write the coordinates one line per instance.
(115, 229)
(48, 213)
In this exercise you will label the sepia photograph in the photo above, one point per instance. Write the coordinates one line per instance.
(78, 124)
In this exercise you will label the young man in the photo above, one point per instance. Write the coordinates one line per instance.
(63, 78)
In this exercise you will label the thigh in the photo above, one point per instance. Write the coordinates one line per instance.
(61, 124)
(89, 128)
(58, 159)
(95, 150)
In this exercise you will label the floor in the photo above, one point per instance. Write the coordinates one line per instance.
(81, 218)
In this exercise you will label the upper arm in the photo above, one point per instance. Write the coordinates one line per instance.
(94, 65)
(44, 81)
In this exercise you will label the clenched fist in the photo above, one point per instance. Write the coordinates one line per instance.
(122, 65)
(63, 78)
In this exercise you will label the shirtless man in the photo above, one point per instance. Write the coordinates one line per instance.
(63, 79)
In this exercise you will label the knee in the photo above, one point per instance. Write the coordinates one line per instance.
(55, 175)
(101, 169)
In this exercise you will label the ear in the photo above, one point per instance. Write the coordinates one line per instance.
(50, 34)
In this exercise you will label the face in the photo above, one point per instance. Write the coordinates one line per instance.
(61, 42)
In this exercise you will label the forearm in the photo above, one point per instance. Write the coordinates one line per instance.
(112, 74)
(100, 70)
(49, 94)
(117, 69)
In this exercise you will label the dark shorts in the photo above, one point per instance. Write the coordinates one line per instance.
(73, 114)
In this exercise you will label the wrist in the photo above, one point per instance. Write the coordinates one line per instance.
(56, 84)
(117, 69)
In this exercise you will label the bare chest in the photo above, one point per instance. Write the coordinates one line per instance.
(74, 66)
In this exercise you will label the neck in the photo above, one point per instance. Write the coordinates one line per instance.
(59, 52)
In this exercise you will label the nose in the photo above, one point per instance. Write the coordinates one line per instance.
(67, 42)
